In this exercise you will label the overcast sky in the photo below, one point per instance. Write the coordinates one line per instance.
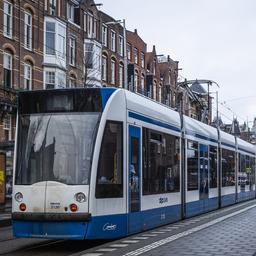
(211, 39)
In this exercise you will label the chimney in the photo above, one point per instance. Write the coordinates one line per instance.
(135, 31)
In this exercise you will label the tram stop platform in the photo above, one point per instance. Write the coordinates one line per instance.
(227, 231)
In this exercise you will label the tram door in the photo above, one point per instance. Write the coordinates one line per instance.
(204, 174)
(134, 219)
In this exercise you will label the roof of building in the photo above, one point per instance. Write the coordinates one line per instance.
(197, 88)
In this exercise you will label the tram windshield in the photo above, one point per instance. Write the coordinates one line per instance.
(56, 147)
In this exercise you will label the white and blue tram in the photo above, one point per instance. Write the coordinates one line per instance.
(104, 163)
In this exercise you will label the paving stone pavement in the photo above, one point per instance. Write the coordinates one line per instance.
(234, 236)
(228, 231)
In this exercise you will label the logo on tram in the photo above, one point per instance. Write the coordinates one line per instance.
(109, 227)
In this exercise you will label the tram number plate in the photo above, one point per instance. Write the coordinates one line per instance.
(55, 205)
(163, 200)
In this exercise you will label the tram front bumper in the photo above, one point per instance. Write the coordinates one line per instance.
(51, 226)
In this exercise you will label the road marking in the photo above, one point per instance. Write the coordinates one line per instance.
(168, 229)
(130, 241)
(92, 254)
(118, 245)
(157, 232)
(106, 250)
(150, 235)
(185, 233)
(140, 237)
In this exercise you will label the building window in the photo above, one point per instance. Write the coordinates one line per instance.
(113, 71)
(85, 21)
(50, 38)
(7, 19)
(27, 76)
(61, 41)
(113, 41)
(72, 51)
(94, 28)
(7, 70)
(50, 79)
(72, 81)
(7, 122)
(28, 31)
(136, 81)
(54, 78)
(7, 125)
(52, 5)
(73, 13)
(104, 35)
(154, 67)
(55, 39)
(104, 68)
(121, 45)
(121, 75)
(89, 55)
(160, 94)
(142, 60)
(110, 168)
(90, 25)
(142, 84)
(154, 90)
(129, 47)
(97, 52)
(136, 55)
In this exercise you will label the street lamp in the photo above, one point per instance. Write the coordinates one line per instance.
(125, 51)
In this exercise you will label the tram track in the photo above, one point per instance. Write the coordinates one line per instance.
(30, 247)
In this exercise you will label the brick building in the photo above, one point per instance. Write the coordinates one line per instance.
(112, 40)
(44, 44)
(169, 73)
(21, 57)
(59, 44)
(136, 50)
(154, 82)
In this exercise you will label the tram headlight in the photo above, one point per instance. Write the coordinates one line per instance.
(18, 197)
(80, 197)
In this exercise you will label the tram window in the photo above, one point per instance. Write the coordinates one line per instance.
(193, 165)
(228, 168)
(249, 170)
(213, 167)
(161, 172)
(252, 165)
(242, 176)
(110, 167)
